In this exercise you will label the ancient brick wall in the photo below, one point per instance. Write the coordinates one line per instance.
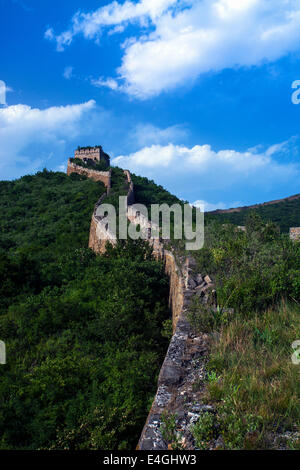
(103, 176)
(179, 391)
(99, 231)
(130, 194)
(183, 362)
(93, 153)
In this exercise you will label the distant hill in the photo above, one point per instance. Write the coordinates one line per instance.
(285, 212)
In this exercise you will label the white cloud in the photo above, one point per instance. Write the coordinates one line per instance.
(180, 40)
(49, 34)
(146, 134)
(199, 158)
(26, 131)
(201, 169)
(112, 16)
(208, 206)
(68, 72)
(106, 83)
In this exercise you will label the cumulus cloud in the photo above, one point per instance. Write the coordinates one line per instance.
(199, 158)
(90, 25)
(25, 131)
(195, 171)
(181, 39)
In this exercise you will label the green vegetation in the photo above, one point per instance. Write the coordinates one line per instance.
(81, 366)
(285, 214)
(257, 394)
(147, 192)
(204, 430)
(251, 379)
(89, 147)
(119, 187)
(169, 431)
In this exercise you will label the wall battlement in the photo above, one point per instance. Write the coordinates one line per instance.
(95, 154)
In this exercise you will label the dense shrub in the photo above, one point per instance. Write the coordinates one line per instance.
(253, 269)
(81, 366)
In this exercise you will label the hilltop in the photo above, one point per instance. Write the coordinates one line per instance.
(284, 212)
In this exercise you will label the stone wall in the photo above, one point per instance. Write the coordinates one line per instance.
(295, 233)
(99, 231)
(182, 375)
(130, 194)
(184, 363)
(93, 153)
(103, 176)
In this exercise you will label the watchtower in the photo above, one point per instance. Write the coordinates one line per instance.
(94, 154)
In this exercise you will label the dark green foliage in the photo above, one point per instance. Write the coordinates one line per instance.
(44, 218)
(81, 366)
(45, 209)
(285, 214)
(147, 192)
(252, 270)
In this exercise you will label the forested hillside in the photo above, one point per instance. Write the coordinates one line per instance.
(285, 214)
(81, 366)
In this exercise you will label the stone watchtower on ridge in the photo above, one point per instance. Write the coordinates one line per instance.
(92, 154)
(86, 163)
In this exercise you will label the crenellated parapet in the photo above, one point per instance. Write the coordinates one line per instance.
(95, 154)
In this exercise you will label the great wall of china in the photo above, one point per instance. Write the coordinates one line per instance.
(184, 363)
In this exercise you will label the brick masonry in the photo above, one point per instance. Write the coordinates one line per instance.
(92, 153)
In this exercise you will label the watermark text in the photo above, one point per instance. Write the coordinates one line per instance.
(296, 354)
(180, 222)
(3, 90)
(2, 353)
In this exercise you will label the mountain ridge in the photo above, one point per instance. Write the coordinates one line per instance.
(255, 206)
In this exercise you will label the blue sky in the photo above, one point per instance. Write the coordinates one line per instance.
(195, 94)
